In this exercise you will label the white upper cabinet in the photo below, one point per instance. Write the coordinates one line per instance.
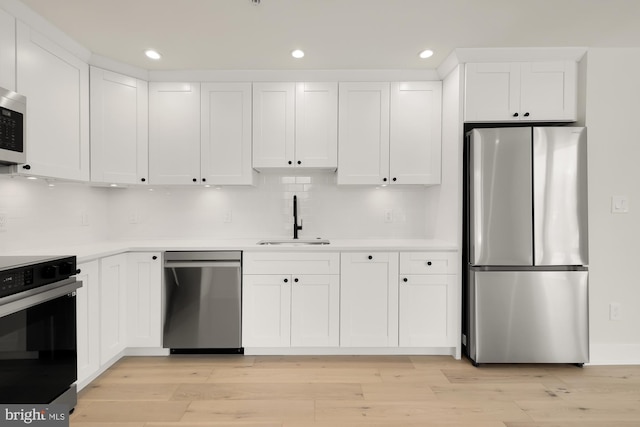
(390, 133)
(56, 84)
(119, 126)
(7, 51)
(521, 91)
(226, 133)
(174, 133)
(316, 144)
(363, 126)
(295, 125)
(415, 143)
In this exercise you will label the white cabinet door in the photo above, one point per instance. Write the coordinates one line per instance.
(144, 289)
(363, 133)
(315, 311)
(521, 91)
(549, 91)
(273, 124)
(316, 124)
(492, 92)
(88, 320)
(427, 310)
(226, 133)
(56, 85)
(174, 133)
(416, 123)
(266, 310)
(119, 126)
(113, 306)
(369, 299)
(7, 51)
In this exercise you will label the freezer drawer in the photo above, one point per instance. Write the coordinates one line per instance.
(529, 317)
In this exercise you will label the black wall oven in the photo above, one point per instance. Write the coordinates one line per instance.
(38, 359)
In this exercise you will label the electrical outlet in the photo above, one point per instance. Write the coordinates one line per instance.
(619, 204)
(615, 311)
(228, 216)
(3, 221)
(84, 218)
(388, 215)
(134, 218)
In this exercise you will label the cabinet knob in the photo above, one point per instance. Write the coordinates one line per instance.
(290, 162)
(204, 179)
(295, 280)
(429, 262)
(27, 167)
(143, 179)
(370, 257)
(299, 162)
(405, 280)
(395, 179)
(286, 280)
(78, 271)
(384, 179)
(526, 114)
(515, 114)
(154, 257)
(195, 180)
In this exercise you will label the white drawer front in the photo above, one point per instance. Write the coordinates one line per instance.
(291, 263)
(429, 263)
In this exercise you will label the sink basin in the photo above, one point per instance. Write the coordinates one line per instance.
(294, 242)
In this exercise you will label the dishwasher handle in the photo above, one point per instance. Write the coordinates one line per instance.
(200, 263)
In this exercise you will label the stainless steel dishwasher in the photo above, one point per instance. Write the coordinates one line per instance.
(203, 302)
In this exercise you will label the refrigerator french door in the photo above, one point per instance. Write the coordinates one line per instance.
(526, 251)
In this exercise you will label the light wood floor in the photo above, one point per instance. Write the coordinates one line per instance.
(375, 391)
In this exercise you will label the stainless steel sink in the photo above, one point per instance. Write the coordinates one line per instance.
(294, 242)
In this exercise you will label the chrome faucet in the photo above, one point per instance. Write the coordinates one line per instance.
(296, 227)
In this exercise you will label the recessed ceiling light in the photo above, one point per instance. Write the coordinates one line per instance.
(426, 54)
(297, 54)
(152, 54)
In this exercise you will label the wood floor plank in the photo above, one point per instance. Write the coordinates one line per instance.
(296, 375)
(120, 391)
(334, 362)
(156, 375)
(249, 410)
(129, 411)
(267, 391)
(424, 376)
(216, 424)
(397, 391)
(607, 412)
(492, 392)
(189, 360)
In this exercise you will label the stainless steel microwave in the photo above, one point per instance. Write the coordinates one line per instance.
(13, 110)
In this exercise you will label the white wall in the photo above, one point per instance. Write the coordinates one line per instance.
(613, 109)
(265, 210)
(39, 217)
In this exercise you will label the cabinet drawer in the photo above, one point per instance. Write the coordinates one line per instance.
(369, 257)
(428, 263)
(291, 263)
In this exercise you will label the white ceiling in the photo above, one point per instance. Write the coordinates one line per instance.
(335, 34)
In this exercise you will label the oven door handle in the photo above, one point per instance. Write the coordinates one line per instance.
(17, 302)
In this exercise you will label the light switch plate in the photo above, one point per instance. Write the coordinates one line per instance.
(619, 204)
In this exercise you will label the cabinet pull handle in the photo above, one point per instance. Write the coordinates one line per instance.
(515, 114)
(204, 179)
(295, 280)
(195, 180)
(395, 179)
(290, 162)
(405, 280)
(78, 271)
(27, 167)
(154, 257)
(384, 179)
(526, 114)
(143, 179)
(429, 263)
(370, 257)
(286, 280)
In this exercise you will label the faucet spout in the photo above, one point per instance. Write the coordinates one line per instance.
(296, 227)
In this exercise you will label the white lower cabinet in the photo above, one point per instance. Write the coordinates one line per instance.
(113, 306)
(369, 299)
(428, 299)
(144, 290)
(88, 320)
(298, 307)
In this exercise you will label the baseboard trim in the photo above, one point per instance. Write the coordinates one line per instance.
(614, 354)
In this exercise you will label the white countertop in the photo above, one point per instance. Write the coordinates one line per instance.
(88, 252)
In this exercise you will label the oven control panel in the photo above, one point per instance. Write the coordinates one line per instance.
(24, 277)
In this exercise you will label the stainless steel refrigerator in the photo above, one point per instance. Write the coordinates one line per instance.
(526, 280)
